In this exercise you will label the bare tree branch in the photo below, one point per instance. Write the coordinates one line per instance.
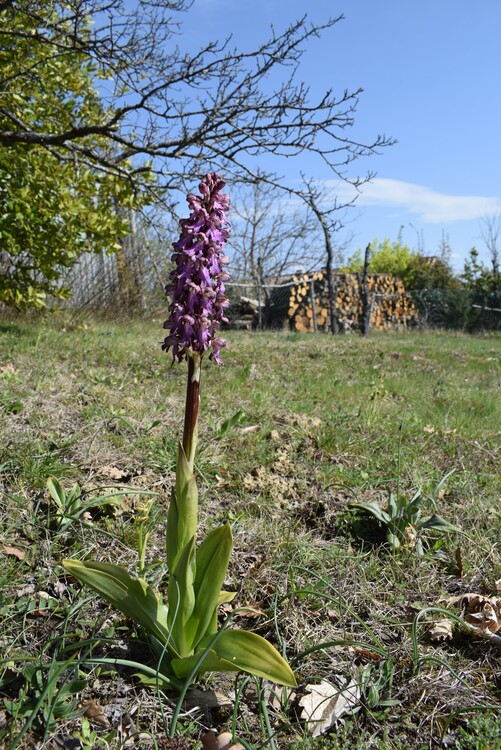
(183, 110)
(491, 235)
(330, 219)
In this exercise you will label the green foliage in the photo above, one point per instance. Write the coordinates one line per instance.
(430, 273)
(221, 429)
(436, 382)
(480, 733)
(376, 684)
(70, 506)
(476, 276)
(416, 271)
(185, 632)
(402, 521)
(52, 207)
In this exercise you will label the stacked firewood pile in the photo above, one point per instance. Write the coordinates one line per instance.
(243, 313)
(392, 306)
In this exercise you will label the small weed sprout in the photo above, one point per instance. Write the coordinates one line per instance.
(71, 506)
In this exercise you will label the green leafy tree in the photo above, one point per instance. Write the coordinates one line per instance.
(415, 270)
(430, 273)
(387, 257)
(53, 207)
(50, 214)
(476, 277)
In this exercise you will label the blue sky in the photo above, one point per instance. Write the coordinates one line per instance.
(430, 70)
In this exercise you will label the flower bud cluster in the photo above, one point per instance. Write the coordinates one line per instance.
(197, 281)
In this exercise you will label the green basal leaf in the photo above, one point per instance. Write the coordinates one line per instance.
(393, 540)
(221, 429)
(182, 601)
(372, 509)
(437, 523)
(212, 557)
(132, 596)
(57, 493)
(443, 481)
(240, 650)
(211, 663)
(415, 503)
(225, 597)
(74, 497)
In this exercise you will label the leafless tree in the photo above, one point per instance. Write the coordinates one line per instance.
(491, 235)
(181, 109)
(330, 215)
(271, 235)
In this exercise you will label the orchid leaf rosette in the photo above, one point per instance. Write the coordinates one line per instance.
(184, 630)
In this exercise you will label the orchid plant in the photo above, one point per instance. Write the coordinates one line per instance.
(184, 629)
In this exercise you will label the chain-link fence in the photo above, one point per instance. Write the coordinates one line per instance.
(126, 282)
(459, 309)
(259, 306)
(123, 283)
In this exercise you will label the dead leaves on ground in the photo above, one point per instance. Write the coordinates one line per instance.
(113, 472)
(95, 713)
(483, 613)
(480, 614)
(223, 741)
(441, 630)
(323, 705)
(13, 551)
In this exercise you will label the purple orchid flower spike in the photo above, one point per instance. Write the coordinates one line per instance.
(197, 282)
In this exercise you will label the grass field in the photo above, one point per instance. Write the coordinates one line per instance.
(325, 423)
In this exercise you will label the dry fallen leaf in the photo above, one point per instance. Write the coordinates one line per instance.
(441, 630)
(482, 615)
(410, 536)
(250, 428)
(488, 618)
(8, 369)
(482, 612)
(112, 472)
(224, 741)
(323, 705)
(19, 553)
(365, 653)
(94, 712)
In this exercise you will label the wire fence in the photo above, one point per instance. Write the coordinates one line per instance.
(131, 283)
(459, 309)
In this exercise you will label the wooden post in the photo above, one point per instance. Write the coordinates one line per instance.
(366, 299)
(313, 306)
(259, 303)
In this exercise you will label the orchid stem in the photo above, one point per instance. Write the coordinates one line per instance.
(192, 407)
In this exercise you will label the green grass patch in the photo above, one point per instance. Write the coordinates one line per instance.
(322, 422)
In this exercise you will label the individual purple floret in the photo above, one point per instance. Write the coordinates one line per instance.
(197, 282)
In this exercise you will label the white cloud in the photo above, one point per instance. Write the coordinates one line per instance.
(430, 206)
